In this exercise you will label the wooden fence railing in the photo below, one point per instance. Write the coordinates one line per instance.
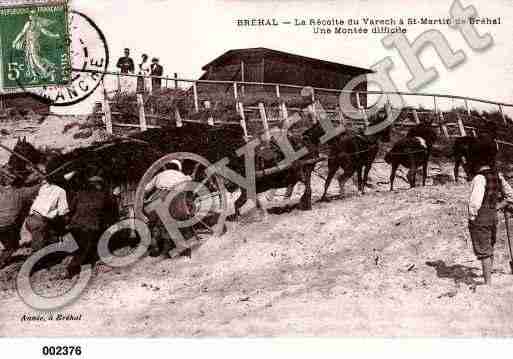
(460, 127)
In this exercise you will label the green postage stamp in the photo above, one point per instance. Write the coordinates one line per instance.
(34, 44)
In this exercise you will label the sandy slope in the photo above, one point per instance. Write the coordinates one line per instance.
(382, 264)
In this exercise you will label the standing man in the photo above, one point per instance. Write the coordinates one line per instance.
(126, 66)
(488, 187)
(156, 70)
(92, 211)
(125, 63)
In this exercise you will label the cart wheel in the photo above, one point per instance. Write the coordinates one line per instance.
(198, 206)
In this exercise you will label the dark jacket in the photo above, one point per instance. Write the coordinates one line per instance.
(487, 214)
(156, 70)
(125, 64)
(92, 210)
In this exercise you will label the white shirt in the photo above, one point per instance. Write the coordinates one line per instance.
(166, 180)
(50, 201)
(478, 190)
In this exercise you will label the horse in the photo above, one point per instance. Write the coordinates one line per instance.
(299, 171)
(23, 158)
(353, 153)
(461, 155)
(412, 152)
(462, 146)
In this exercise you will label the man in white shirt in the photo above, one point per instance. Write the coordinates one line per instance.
(488, 188)
(168, 178)
(50, 206)
(180, 207)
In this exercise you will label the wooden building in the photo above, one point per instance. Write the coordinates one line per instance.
(273, 66)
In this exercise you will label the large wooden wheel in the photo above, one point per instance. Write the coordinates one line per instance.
(206, 195)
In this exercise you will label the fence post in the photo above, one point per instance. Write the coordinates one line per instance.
(284, 115)
(278, 91)
(416, 116)
(108, 115)
(176, 80)
(195, 93)
(461, 126)
(267, 136)
(178, 118)
(240, 109)
(362, 110)
(142, 115)
(444, 131)
(235, 95)
(468, 109)
(210, 120)
(502, 114)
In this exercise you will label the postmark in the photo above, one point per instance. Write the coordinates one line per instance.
(34, 45)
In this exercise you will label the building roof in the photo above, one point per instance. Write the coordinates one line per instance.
(262, 52)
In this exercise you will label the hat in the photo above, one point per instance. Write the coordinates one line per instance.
(155, 59)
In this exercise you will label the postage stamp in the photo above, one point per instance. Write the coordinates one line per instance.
(34, 44)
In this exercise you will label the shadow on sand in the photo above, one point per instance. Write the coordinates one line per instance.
(458, 272)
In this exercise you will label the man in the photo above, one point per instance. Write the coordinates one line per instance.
(488, 186)
(156, 70)
(48, 210)
(92, 211)
(180, 208)
(125, 63)
(126, 66)
(15, 200)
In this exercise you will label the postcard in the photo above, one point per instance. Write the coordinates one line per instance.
(244, 168)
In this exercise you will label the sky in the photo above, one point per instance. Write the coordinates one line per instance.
(186, 35)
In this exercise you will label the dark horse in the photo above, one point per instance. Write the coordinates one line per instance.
(461, 154)
(269, 154)
(24, 157)
(353, 153)
(412, 152)
(462, 146)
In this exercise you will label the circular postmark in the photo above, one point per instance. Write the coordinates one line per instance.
(88, 60)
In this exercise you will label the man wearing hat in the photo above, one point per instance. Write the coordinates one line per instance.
(156, 70)
(488, 187)
(92, 211)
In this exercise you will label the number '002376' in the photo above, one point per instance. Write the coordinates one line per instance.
(62, 350)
